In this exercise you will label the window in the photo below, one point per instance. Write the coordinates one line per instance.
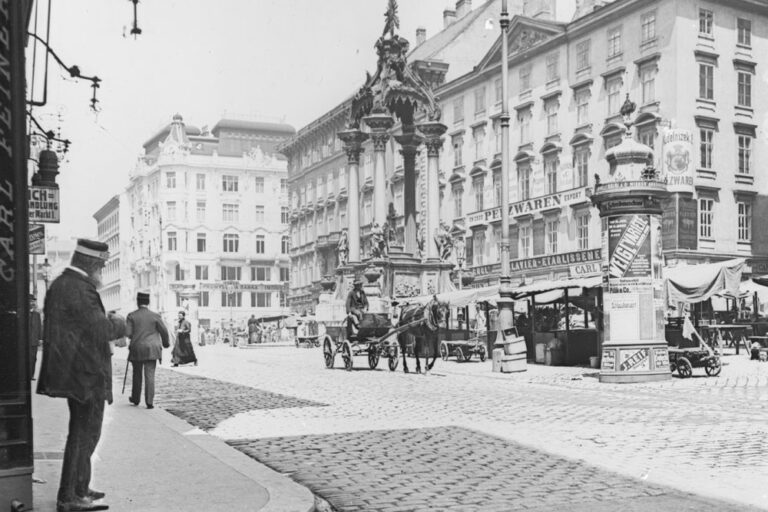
(648, 81)
(458, 159)
(614, 42)
(551, 227)
(705, 22)
(582, 55)
(553, 66)
(259, 186)
(550, 107)
(285, 274)
(260, 213)
(582, 231)
(201, 211)
(261, 299)
(201, 272)
(550, 171)
(170, 180)
(497, 135)
(478, 249)
(524, 118)
(229, 183)
(581, 167)
(232, 300)
(457, 191)
(230, 273)
(200, 181)
(478, 134)
(498, 92)
(261, 274)
(706, 81)
(497, 188)
(524, 182)
(582, 106)
(745, 154)
(205, 299)
(744, 28)
(706, 206)
(745, 221)
(525, 78)
(230, 212)
(614, 96)
(231, 243)
(284, 215)
(171, 206)
(458, 110)
(525, 241)
(745, 89)
(285, 245)
(479, 101)
(178, 273)
(647, 135)
(648, 27)
(260, 242)
(478, 185)
(201, 242)
(705, 148)
(172, 245)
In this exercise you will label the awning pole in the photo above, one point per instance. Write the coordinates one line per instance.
(567, 328)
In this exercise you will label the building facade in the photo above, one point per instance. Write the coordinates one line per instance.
(117, 290)
(208, 222)
(689, 66)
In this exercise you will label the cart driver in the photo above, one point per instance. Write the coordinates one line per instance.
(357, 303)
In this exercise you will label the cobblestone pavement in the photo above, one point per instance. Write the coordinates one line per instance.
(454, 469)
(707, 436)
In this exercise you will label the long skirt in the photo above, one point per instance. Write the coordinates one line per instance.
(183, 352)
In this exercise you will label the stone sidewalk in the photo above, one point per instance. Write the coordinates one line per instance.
(150, 460)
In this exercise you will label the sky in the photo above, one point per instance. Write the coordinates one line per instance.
(271, 60)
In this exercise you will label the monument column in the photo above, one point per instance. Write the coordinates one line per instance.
(379, 123)
(409, 142)
(433, 140)
(629, 200)
(353, 145)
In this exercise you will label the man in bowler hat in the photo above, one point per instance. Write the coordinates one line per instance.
(77, 365)
(149, 337)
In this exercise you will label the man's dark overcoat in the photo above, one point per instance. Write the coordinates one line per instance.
(148, 335)
(76, 357)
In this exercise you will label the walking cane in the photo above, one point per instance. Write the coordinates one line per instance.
(125, 377)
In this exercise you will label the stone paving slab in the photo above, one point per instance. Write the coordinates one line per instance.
(456, 469)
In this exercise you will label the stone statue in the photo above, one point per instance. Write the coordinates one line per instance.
(460, 249)
(343, 248)
(419, 241)
(379, 244)
(444, 242)
(390, 227)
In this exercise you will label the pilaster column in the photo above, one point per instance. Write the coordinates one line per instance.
(433, 140)
(353, 145)
(380, 125)
(409, 142)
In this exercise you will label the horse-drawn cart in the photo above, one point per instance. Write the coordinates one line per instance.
(464, 349)
(684, 360)
(374, 338)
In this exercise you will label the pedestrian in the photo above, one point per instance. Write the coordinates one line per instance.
(77, 365)
(356, 305)
(183, 351)
(35, 334)
(149, 337)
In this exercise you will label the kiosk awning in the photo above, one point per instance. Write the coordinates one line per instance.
(556, 286)
(697, 283)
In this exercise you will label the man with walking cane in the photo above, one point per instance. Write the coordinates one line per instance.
(148, 336)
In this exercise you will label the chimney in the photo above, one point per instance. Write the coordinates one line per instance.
(421, 35)
(462, 8)
(449, 18)
(543, 9)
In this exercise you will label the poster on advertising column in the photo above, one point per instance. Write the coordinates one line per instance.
(630, 277)
(677, 161)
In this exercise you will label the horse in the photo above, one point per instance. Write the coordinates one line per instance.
(435, 316)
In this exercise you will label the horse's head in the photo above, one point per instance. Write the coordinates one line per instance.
(439, 312)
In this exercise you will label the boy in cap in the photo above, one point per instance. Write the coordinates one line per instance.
(357, 303)
(149, 337)
(77, 366)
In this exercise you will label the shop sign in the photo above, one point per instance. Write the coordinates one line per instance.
(240, 287)
(661, 358)
(486, 269)
(758, 267)
(586, 256)
(530, 206)
(585, 269)
(608, 362)
(680, 222)
(44, 204)
(36, 239)
(634, 360)
(629, 246)
(677, 160)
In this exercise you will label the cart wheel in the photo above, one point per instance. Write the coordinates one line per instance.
(316, 342)
(346, 355)
(482, 354)
(373, 356)
(444, 351)
(714, 367)
(684, 368)
(328, 352)
(467, 355)
(459, 354)
(394, 360)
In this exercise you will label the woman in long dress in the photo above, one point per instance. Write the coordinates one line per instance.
(183, 352)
